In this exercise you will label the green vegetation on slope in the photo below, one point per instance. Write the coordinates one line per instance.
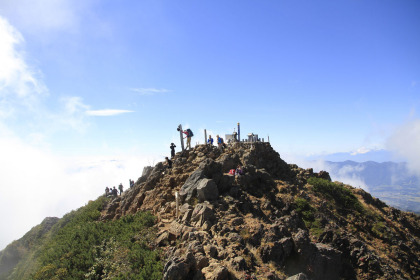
(342, 196)
(81, 247)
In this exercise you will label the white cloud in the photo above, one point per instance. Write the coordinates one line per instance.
(44, 15)
(35, 184)
(405, 142)
(344, 174)
(149, 91)
(107, 112)
(19, 84)
(361, 150)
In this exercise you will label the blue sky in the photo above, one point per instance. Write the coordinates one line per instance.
(86, 82)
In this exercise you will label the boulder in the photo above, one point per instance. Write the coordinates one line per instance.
(228, 162)
(300, 276)
(239, 263)
(225, 183)
(179, 268)
(211, 169)
(189, 189)
(216, 272)
(201, 213)
(323, 175)
(272, 253)
(207, 190)
(147, 170)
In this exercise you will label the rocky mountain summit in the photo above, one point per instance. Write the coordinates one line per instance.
(276, 221)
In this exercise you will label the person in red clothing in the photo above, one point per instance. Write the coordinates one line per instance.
(188, 134)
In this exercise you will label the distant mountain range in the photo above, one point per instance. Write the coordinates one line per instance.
(359, 156)
(391, 182)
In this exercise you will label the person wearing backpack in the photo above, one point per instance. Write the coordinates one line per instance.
(220, 142)
(188, 134)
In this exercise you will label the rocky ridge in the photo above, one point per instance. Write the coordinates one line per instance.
(269, 223)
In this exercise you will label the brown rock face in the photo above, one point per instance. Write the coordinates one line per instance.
(268, 223)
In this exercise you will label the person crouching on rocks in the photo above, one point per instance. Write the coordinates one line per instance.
(210, 141)
(239, 171)
(168, 163)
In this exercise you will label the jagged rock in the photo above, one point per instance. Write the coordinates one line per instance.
(147, 170)
(211, 169)
(327, 262)
(300, 276)
(323, 175)
(200, 236)
(187, 216)
(164, 238)
(211, 250)
(225, 183)
(216, 272)
(273, 253)
(207, 190)
(206, 226)
(239, 263)
(201, 261)
(237, 221)
(287, 245)
(179, 268)
(177, 229)
(184, 208)
(228, 162)
(202, 212)
(234, 237)
(189, 189)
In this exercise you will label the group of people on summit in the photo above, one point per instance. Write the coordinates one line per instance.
(113, 192)
(219, 140)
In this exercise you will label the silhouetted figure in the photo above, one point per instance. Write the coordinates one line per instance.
(120, 187)
(172, 146)
(168, 163)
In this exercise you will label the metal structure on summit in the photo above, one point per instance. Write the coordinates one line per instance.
(234, 137)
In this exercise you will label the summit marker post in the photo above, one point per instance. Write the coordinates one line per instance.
(180, 135)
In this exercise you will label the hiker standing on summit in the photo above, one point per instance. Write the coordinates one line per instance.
(188, 134)
(172, 147)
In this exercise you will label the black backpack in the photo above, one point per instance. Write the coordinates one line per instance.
(190, 133)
